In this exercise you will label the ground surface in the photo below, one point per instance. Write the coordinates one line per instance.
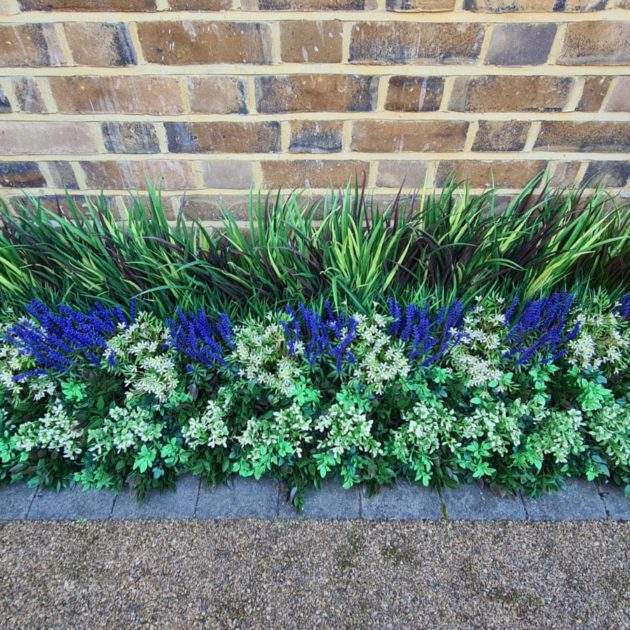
(290, 574)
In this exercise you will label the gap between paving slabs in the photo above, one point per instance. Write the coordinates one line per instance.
(264, 499)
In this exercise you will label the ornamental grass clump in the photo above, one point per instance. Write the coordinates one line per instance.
(520, 395)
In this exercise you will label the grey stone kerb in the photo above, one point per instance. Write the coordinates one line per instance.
(264, 499)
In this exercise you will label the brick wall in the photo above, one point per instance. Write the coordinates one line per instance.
(211, 96)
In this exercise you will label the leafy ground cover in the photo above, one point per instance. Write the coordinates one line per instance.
(439, 339)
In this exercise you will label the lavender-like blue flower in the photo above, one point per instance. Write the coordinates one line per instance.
(623, 308)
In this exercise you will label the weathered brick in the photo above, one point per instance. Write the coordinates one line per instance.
(619, 100)
(500, 135)
(133, 175)
(98, 44)
(87, 5)
(615, 173)
(393, 136)
(46, 138)
(311, 42)
(481, 174)
(223, 137)
(598, 43)
(311, 173)
(520, 44)
(420, 5)
(415, 42)
(593, 94)
(414, 94)
(227, 174)
(62, 175)
(200, 5)
(564, 174)
(397, 173)
(118, 95)
(205, 42)
(309, 136)
(302, 5)
(533, 6)
(211, 207)
(28, 95)
(558, 135)
(21, 175)
(30, 45)
(130, 137)
(217, 95)
(316, 93)
(5, 106)
(510, 94)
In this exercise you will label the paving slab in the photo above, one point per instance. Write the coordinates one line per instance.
(475, 502)
(72, 504)
(401, 501)
(616, 501)
(15, 500)
(167, 504)
(241, 498)
(579, 500)
(329, 502)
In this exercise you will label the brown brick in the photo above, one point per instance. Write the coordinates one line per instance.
(205, 42)
(130, 137)
(414, 94)
(223, 137)
(605, 43)
(397, 173)
(520, 44)
(30, 45)
(583, 136)
(564, 174)
(510, 94)
(614, 173)
(302, 5)
(482, 174)
(21, 175)
(415, 42)
(200, 5)
(420, 5)
(87, 5)
(311, 173)
(217, 95)
(128, 175)
(619, 100)
(211, 207)
(593, 94)
(500, 135)
(98, 44)
(46, 138)
(310, 136)
(316, 93)
(119, 95)
(227, 174)
(393, 136)
(28, 95)
(311, 42)
(533, 6)
(62, 175)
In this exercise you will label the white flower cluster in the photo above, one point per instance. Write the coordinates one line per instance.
(143, 357)
(601, 343)
(260, 350)
(499, 427)
(379, 360)
(124, 429)
(422, 428)
(562, 435)
(284, 433)
(210, 428)
(347, 427)
(55, 431)
(610, 427)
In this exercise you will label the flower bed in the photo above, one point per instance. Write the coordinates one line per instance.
(518, 395)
